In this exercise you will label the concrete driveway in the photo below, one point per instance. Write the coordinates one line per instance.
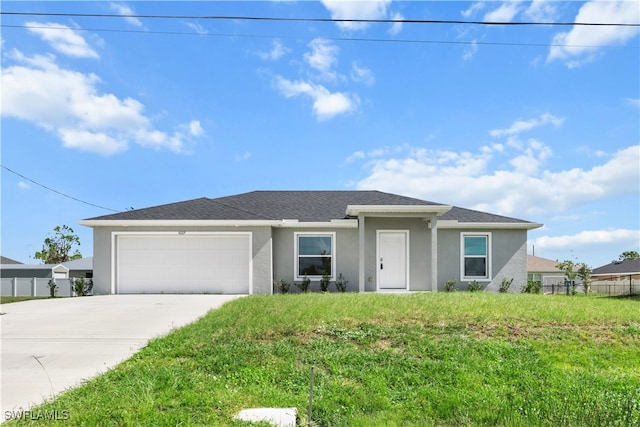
(50, 345)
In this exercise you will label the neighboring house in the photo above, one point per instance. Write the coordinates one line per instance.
(241, 244)
(5, 260)
(545, 271)
(618, 270)
(30, 279)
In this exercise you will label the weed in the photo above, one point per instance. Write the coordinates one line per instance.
(450, 285)
(474, 286)
(341, 283)
(304, 286)
(282, 285)
(505, 285)
(324, 282)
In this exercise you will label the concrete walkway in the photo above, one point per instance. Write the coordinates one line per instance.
(50, 345)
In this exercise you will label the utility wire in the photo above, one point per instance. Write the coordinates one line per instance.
(56, 191)
(354, 39)
(366, 21)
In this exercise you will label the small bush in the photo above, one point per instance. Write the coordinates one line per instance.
(283, 286)
(81, 287)
(474, 286)
(324, 282)
(341, 283)
(532, 287)
(450, 285)
(53, 287)
(505, 285)
(304, 286)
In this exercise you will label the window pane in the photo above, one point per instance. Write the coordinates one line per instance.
(314, 266)
(475, 267)
(475, 245)
(314, 245)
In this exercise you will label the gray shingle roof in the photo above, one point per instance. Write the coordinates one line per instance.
(625, 267)
(305, 206)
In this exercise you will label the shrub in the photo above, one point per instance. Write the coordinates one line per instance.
(304, 286)
(450, 285)
(505, 285)
(474, 286)
(324, 282)
(341, 283)
(532, 287)
(53, 287)
(282, 285)
(81, 287)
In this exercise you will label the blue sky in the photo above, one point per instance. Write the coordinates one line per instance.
(536, 122)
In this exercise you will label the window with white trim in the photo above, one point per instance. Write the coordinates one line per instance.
(315, 254)
(475, 252)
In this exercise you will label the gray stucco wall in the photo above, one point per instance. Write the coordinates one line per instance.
(508, 258)
(261, 256)
(419, 250)
(346, 256)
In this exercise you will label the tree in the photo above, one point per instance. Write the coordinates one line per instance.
(584, 274)
(570, 273)
(629, 255)
(58, 248)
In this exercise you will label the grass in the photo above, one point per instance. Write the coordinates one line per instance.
(446, 359)
(8, 300)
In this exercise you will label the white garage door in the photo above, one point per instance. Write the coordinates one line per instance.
(187, 263)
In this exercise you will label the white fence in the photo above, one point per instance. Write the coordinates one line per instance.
(31, 287)
(616, 287)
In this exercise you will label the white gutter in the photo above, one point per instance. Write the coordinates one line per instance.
(287, 223)
(455, 224)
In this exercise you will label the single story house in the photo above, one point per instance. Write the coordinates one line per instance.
(618, 270)
(18, 279)
(242, 244)
(544, 270)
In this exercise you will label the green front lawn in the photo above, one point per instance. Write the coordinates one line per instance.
(457, 359)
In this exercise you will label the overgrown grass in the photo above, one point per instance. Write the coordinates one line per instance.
(446, 359)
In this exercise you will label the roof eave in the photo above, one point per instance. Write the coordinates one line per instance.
(455, 224)
(438, 210)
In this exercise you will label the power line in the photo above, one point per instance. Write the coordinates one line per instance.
(56, 191)
(354, 39)
(333, 20)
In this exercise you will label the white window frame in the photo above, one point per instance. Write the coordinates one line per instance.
(488, 257)
(296, 256)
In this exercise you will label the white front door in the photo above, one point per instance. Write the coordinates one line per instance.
(393, 259)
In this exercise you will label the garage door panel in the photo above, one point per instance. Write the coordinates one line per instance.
(210, 263)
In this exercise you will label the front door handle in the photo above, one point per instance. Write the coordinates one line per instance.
(381, 266)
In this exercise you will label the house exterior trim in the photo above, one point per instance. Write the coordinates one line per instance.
(454, 224)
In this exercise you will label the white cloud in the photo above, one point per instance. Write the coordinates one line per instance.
(123, 9)
(323, 57)
(278, 50)
(195, 128)
(396, 27)
(199, 29)
(634, 102)
(63, 39)
(23, 185)
(373, 9)
(470, 52)
(243, 157)
(69, 104)
(326, 104)
(542, 11)
(362, 74)
(520, 186)
(580, 45)
(621, 236)
(520, 126)
(505, 13)
(473, 9)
